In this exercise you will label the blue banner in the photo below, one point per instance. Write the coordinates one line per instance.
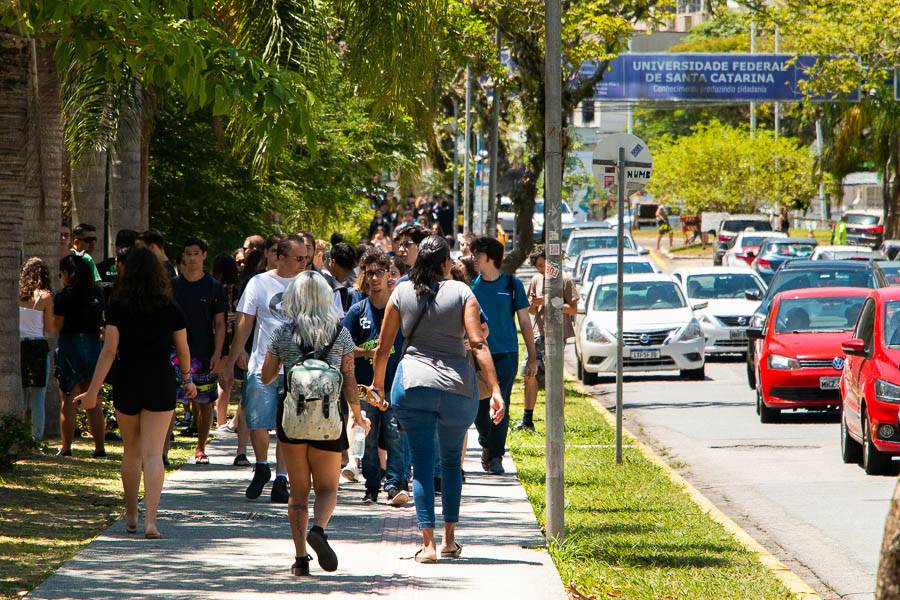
(706, 77)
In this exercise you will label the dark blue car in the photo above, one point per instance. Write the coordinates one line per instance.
(774, 252)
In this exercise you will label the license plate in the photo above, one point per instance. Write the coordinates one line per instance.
(737, 334)
(644, 354)
(829, 383)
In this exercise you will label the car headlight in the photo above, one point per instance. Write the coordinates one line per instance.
(887, 392)
(776, 361)
(595, 334)
(691, 331)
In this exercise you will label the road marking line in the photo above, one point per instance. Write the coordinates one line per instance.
(662, 263)
(795, 585)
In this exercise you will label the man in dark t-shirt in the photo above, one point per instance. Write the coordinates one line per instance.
(204, 303)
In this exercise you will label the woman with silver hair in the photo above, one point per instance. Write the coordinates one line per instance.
(312, 326)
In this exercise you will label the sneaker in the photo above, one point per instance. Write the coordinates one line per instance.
(497, 466)
(350, 473)
(462, 474)
(486, 460)
(317, 539)
(165, 461)
(261, 475)
(62, 452)
(522, 425)
(371, 497)
(112, 436)
(397, 497)
(437, 485)
(301, 565)
(98, 454)
(241, 461)
(224, 429)
(280, 494)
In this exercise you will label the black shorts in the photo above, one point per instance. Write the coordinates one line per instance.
(338, 445)
(137, 389)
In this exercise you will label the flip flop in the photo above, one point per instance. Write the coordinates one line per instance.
(424, 559)
(201, 460)
(455, 553)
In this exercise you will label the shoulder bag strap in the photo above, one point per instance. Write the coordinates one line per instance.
(323, 355)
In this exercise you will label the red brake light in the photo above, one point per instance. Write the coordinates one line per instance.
(875, 229)
(766, 264)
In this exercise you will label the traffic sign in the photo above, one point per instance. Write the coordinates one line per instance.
(638, 168)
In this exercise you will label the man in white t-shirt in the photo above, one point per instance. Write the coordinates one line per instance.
(259, 312)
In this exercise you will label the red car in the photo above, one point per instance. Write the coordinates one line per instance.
(870, 385)
(798, 350)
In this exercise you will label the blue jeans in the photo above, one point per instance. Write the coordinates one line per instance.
(384, 426)
(491, 436)
(422, 411)
(34, 397)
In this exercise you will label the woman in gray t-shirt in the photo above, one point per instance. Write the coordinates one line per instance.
(434, 389)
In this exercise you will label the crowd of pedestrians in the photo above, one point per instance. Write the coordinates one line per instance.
(394, 341)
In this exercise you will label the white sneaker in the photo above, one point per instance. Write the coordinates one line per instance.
(350, 473)
(400, 498)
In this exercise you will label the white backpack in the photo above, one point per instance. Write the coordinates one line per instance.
(310, 409)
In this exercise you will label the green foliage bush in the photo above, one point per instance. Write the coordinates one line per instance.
(15, 441)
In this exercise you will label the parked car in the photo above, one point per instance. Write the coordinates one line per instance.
(594, 239)
(725, 319)
(601, 266)
(891, 271)
(774, 252)
(576, 269)
(746, 247)
(845, 253)
(798, 359)
(890, 248)
(567, 216)
(800, 274)
(870, 385)
(865, 227)
(660, 331)
(569, 228)
(733, 225)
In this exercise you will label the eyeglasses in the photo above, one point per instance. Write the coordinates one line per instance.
(300, 259)
(408, 243)
(64, 236)
(376, 273)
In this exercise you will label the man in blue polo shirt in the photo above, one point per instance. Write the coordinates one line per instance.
(503, 299)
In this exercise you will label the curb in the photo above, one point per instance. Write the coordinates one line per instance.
(795, 585)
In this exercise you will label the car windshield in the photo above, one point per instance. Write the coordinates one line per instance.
(742, 224)
(891, 273)
(580, 244)
(721, 286)
(892, 323)
(816, 278)
(640, 295)
(791, 250)
(753, 241)
(857, 219)
(830, 313)
(844, 254)
(609, 268)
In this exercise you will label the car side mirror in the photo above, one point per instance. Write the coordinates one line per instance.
(722, 246)
(581, 310)
(699, 305)
(755, 333)
(854, 347)
(642, 251)
(753, 295)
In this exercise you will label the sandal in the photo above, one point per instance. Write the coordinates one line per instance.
(202, 459)
(426, 560)
(455, 553)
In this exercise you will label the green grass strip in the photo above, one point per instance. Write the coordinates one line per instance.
(631, 532)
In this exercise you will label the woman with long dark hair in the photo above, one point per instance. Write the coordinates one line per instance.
(35, 322)
(78, 308)
(142, 324)
(434, 389)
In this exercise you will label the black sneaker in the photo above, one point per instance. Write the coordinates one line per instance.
(371, 497)
(486, 460)
(397, 497)
(301, 565)
(497, 466)
(317, 539)
(280, 494)
(112, 436)
(524, 426)
(62, 452)
(437, 485)
(98, 454)
(241, 461)
(261, 475)
(462, 474)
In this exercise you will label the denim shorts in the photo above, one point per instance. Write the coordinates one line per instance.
(76, 356)
(260, 402)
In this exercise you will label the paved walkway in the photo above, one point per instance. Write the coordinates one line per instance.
(217, 544)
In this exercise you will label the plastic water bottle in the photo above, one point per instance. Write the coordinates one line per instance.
(358, 447)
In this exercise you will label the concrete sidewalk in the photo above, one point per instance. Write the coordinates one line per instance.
(217, 544)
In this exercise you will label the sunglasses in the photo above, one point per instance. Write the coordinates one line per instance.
(376, 273)
(300, 259)
(89, 240)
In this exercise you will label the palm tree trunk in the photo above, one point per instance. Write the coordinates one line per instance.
(13, 128)
(888, 580)
(89, 196)
(125, 177)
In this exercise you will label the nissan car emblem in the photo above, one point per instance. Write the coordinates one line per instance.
(645, 339)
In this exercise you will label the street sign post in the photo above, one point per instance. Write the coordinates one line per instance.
(633, 164)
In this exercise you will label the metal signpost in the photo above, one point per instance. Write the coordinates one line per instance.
(631, 159)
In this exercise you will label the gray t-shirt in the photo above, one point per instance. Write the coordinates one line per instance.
(436, 356)
(282, 345)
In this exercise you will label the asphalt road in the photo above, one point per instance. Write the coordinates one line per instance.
(784, 483)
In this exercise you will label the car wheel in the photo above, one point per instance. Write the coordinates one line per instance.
(874, 461)
(751, 374)
(766, 414)
(579, 370)
(851, 451)
(693, 374)
(588, 378)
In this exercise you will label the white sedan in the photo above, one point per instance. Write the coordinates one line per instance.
(601, 266)
(660, 331)
(845, 253)
(727, 315)
(746, 247)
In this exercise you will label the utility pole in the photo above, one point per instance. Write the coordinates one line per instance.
(455, 229)
(490, 227)
(467, 216)
(777, 104)
(553, 275)
(752, 51)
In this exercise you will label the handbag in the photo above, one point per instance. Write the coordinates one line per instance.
(309, 409)
(33, 354)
